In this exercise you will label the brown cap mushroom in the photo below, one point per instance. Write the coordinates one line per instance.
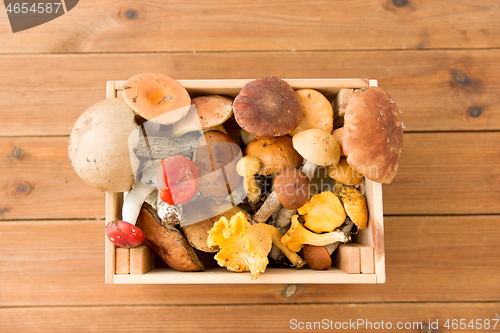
(373, 134)
(317, 111)
(317, 147)
(267, 106)
(291, 189)
(98, 146)
(317, 257)
(157, 97)
(276, 154)
(206, 112)
(216, 158)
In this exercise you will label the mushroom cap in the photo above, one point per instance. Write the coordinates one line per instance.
(292, 187)
(267, 106)
(206, 112)
(317, 257)
(216, 157)
(317, 146)
(248, 166)
(317, 111)
(98, 146)
(344, 173)
(157, 97)
(338, 134)
(276, 154)
(373, 134)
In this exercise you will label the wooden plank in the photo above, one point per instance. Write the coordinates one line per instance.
(122, 260)
(108, 26)
(407, 317)
(439, 173)
(440, 90)
(56, 263)
(37, 182)
(348, 259)
(141, 259)
(445, 173)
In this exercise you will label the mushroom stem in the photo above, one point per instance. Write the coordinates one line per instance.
(333, 246)
(298, 235)
(267, 208)
(247, 167)
(133, 203)
(308, 169)
(294, 258)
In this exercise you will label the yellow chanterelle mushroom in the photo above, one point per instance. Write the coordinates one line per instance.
(244, 247)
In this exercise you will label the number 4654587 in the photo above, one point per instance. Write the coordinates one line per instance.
(36, 8)
(478, 324)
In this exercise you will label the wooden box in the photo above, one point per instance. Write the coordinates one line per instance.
(372, 236)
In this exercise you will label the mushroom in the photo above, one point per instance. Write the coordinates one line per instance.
(317, 111)
(246, 136)
(98, 149)
(177, 180)
(206, 112)
(297, 236)
(319, 257)
(340, 105)
(318, 148)
(344, 173)
(168, 242)
(338, 133)
(267, 106)
(247, 167)
(373, 134)
(244, 247)
(216, 156)
(198, 224)
(157, 97)
(323, 212)
(276, 154)
(354, 204)
(291, 189)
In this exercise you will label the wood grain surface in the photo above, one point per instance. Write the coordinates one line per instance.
(439, 60)
(156, 26)
(441, 91)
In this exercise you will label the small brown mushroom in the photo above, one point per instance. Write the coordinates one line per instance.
(205, 113)
(267, 106)
(157, 97)
(291, 189)
(276, 154)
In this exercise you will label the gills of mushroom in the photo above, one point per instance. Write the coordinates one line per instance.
(291, 189)
(247, 167)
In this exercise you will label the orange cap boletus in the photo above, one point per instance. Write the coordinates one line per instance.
(276, 154)
(157, 97)
(206, 112)
(267, 106)
(373, 134)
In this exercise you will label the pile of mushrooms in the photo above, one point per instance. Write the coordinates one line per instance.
(233, 177)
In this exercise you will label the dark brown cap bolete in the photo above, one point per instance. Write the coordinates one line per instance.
(267, 106)
(373, 134)
(156, 97)
(291, 189)
(276, 154)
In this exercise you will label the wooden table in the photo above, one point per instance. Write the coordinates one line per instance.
(438, 59)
